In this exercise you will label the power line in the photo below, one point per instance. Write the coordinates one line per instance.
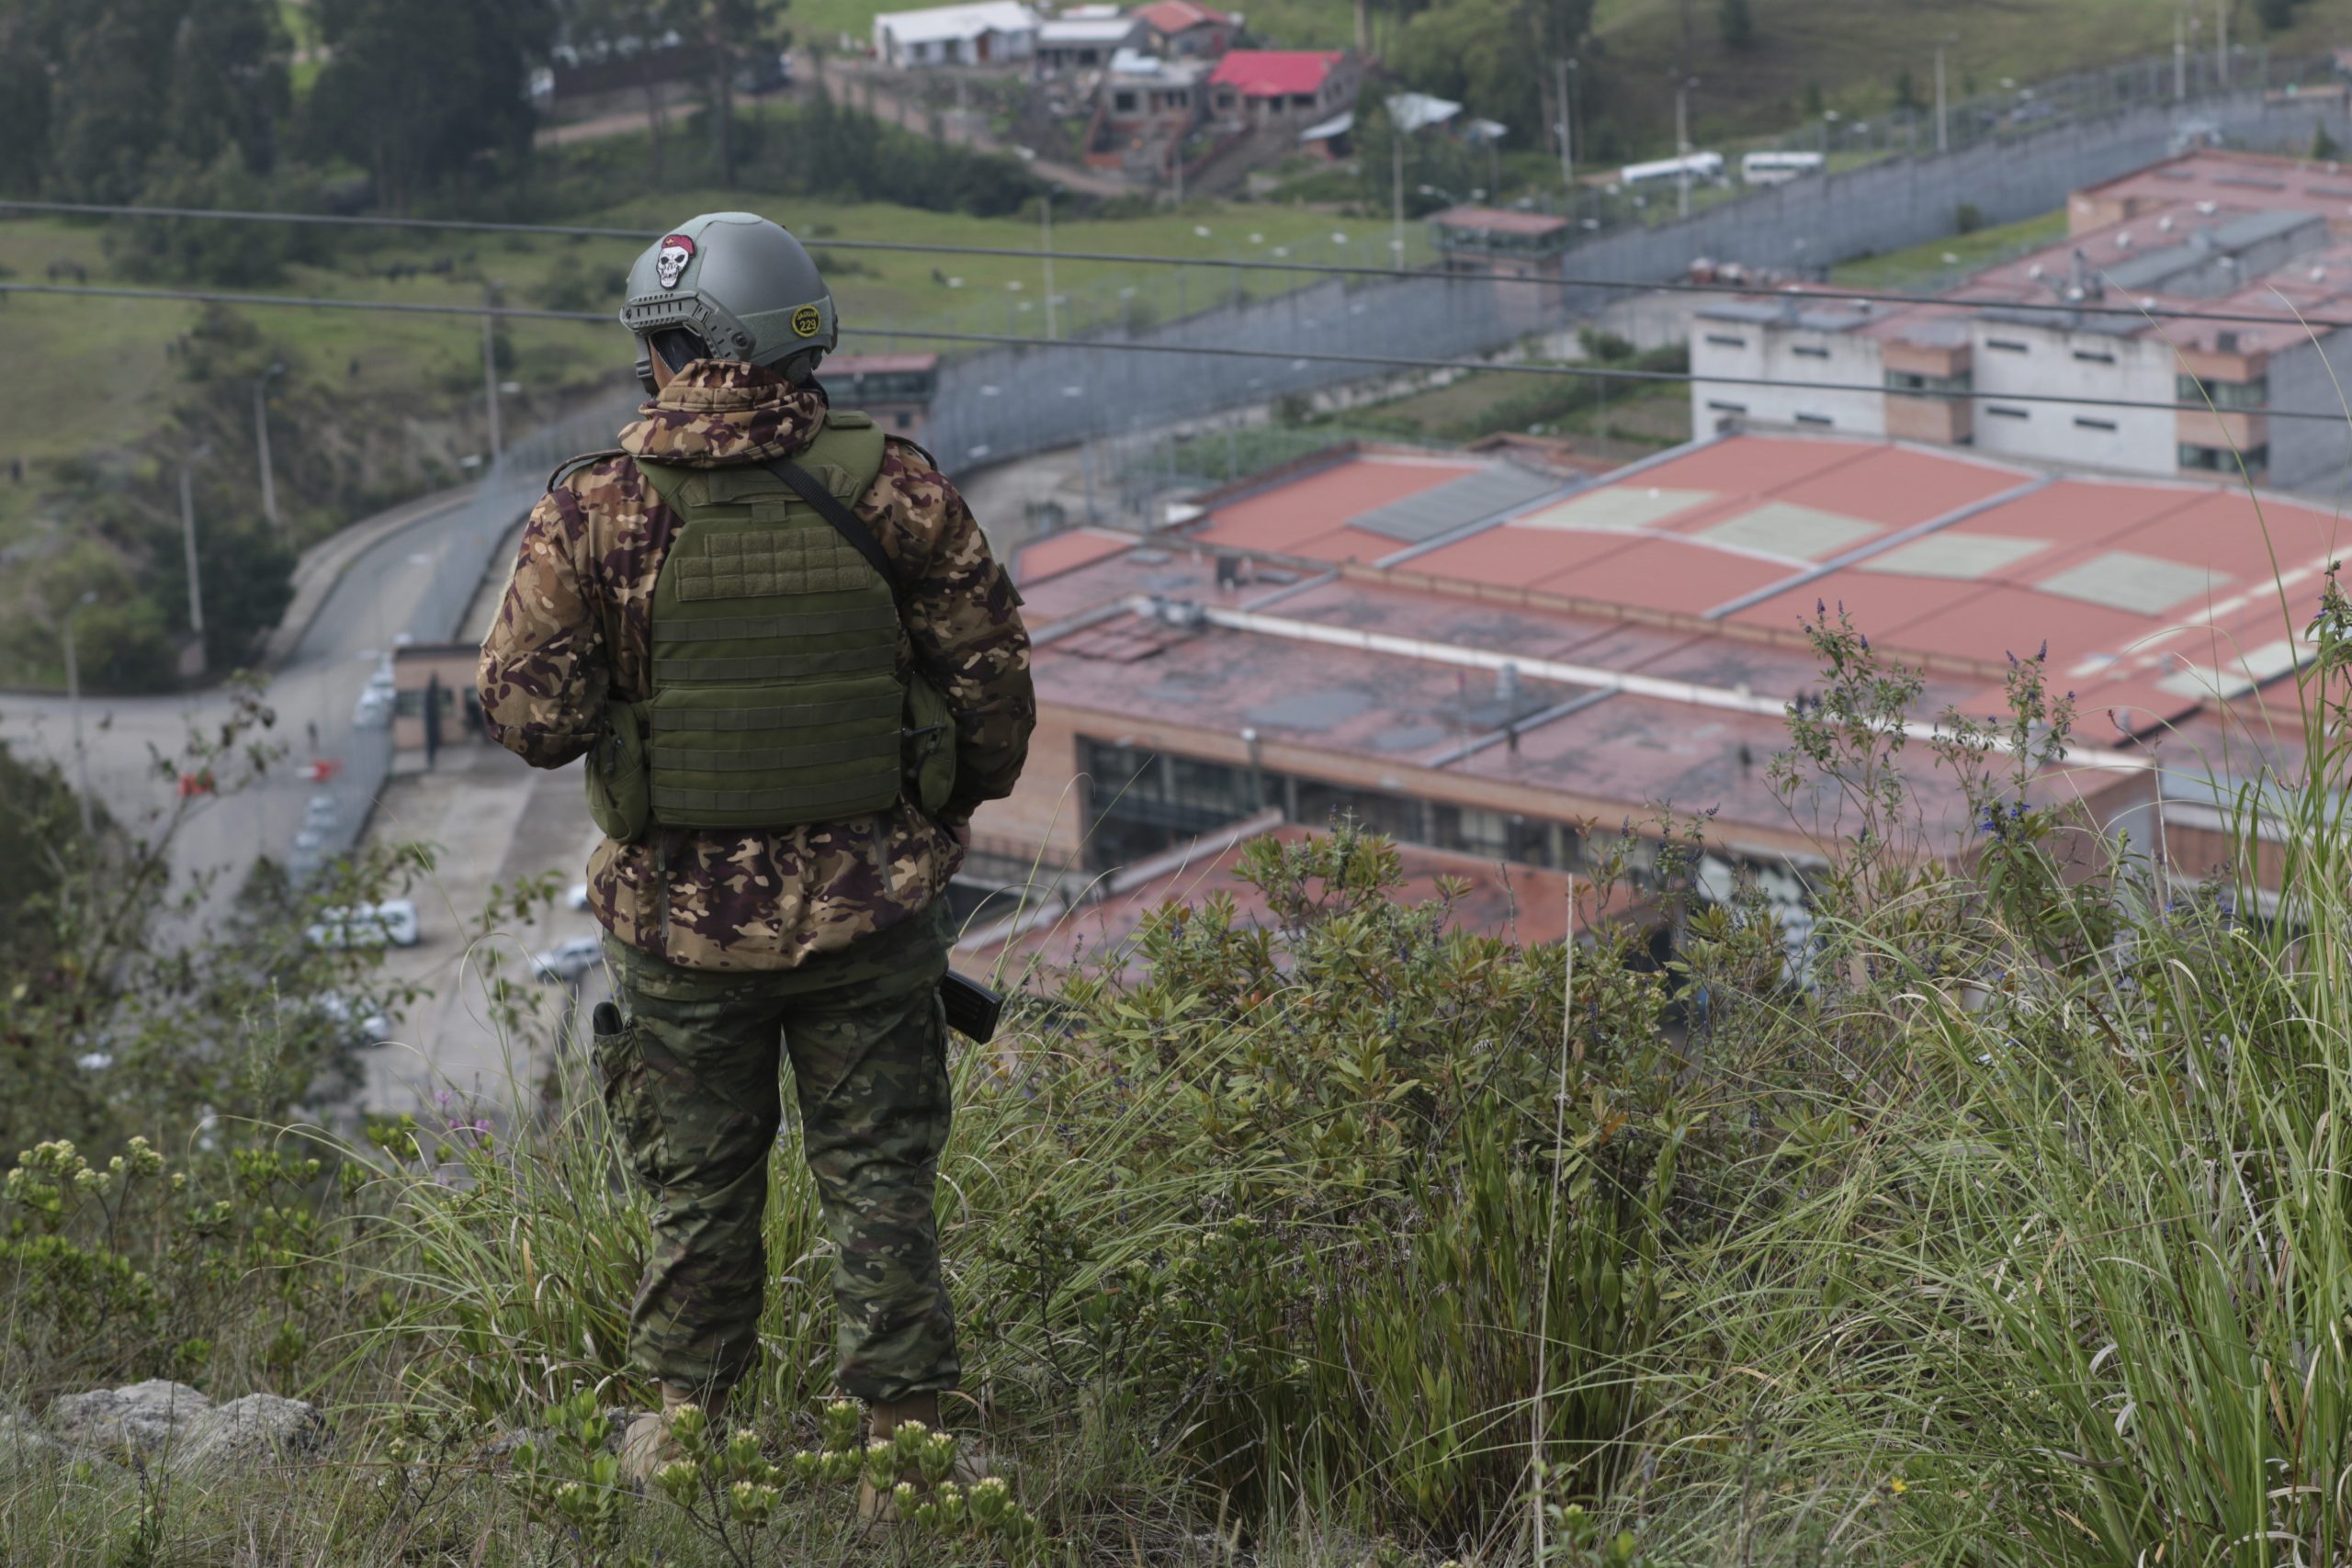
(1332, 269)
(318, 302)
(1216, 351)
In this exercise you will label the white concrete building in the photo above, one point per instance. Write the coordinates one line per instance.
(1977, 369)
(994, 32)
(1084, 38)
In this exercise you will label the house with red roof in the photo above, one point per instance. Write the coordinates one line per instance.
(1265, 86)
(1185, 29)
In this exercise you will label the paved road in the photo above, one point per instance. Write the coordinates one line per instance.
(317, 685)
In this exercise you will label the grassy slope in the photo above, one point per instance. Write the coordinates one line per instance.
(1854, 48)
(1925, 266)
(411, 355)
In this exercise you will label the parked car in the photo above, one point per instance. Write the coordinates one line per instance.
(367, 1025)
(373, 710)
(319, 811)
(567, 961)
(365, 925)
(578, 897)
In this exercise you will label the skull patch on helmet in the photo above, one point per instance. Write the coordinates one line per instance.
(670, 261)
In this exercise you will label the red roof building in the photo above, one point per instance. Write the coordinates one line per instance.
(1505, 667)
(1185, 28)
(1270, 84)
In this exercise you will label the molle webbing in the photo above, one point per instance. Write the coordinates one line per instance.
(776, 699)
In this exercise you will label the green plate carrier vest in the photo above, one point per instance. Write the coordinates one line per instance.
(775, 695)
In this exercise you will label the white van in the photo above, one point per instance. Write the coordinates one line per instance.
(1778, 169)
(365, 925)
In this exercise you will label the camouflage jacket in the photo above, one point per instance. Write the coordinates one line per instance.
(575, 627)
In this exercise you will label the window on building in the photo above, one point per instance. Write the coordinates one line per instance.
(902, 421)
(1139, 802)
(1123, 103)
(2222, 460)
(1302, 100)
(1809, 351)
(2227, 396)
(1820, 419)
(2007, 345)
(1723, 340)
(2096, 355)
(2084, 421)
(1908, 381)
(1728, 408)
(2002, 410)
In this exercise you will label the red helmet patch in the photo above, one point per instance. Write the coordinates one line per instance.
(670, 261)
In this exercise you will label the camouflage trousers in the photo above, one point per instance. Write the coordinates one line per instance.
(692, 1082)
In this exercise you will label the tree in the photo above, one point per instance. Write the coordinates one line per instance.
(731, 28)
(229, 83)
(105, 114)
(2276, 16)
(29, 44)
(615, 26)
(1494, 55)
(1736, 23)
(419, 92)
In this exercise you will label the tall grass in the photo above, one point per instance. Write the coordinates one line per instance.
(2005, 1222)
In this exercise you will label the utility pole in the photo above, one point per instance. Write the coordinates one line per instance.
(1567, 128)
(73, 702)
(1943, 124)
(261, 443)
(2179, 57)
(2222, 40)
(188, 539)
(1396, 161)
(1682, 141)
(489, 369)
(1046, 215)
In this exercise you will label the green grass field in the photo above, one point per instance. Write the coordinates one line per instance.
(1924, 266)
(1853, 48)
(126, 341)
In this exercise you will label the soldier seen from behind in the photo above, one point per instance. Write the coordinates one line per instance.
(780, 640)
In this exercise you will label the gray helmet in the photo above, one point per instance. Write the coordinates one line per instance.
(742, 284)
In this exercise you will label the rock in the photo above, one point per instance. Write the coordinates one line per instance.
(23, 1442)
(143, 1418)
(261, 1428)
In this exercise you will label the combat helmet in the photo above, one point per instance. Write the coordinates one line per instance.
(742, 284)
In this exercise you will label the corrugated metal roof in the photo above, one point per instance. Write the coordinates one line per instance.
(1468, 499)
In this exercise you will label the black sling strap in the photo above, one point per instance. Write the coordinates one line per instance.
(828, 506)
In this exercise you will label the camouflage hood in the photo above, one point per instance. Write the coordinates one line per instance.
(719, 412)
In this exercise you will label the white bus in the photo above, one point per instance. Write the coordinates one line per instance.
(1696, 165)
(1778, 169)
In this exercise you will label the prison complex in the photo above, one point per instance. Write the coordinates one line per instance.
(1496, 663)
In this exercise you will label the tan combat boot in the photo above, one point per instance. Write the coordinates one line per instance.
(883, 1417)
(647, 1444)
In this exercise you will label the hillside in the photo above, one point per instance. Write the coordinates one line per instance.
(1854, 49)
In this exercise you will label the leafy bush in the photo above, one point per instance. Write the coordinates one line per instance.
(1999, 1219)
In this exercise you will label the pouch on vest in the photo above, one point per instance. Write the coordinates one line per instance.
(621, 789)
(928, 747)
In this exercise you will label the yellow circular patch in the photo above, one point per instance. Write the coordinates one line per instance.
(807, 321)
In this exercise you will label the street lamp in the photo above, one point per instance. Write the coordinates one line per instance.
(1682, 139)
(490, 363)
(1943, 132)
(73, 702)
(188, 538)
(260, 442)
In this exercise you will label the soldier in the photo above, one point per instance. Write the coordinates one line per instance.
(780, 640)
